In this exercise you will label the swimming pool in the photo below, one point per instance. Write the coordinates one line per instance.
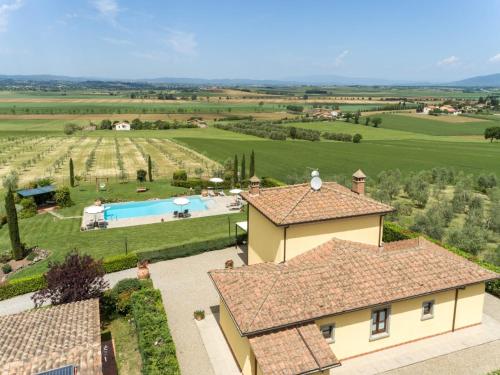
(159, 207)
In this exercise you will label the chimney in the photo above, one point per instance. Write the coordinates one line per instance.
(254, 185)
(358, 182)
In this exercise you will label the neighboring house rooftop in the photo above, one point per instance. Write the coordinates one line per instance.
(295, 204)
(52, 338)
(297, 350)
(336, 277)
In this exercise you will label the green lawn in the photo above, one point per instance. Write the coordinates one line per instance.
(61, 236)
(287, 160)
(128, 358)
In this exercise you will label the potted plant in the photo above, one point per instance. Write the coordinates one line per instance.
(199, 314)
(229, 263)
(143, 270)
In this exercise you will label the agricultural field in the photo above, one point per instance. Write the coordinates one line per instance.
(34, 145)
(112, 157)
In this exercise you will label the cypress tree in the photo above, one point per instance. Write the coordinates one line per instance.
(243, 172)
(252, 164)
(15, 240)
(150, 169)
(71, 173)
(235, 169)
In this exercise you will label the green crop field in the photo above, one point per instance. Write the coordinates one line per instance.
(426, 125)
(287, 160)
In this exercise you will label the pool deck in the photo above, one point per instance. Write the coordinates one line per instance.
(215, 206)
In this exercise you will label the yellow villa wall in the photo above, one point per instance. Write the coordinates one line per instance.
(303, 237)
(266, 240)
(352, 330)
(239, 345)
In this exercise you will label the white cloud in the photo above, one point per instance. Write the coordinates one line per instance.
(340, 58)
(5, 10)
(107, 8)
(118, 42)
(182, 42)
(452, 60)
(495, 59)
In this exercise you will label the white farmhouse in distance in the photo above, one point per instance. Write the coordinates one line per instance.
(122, 126)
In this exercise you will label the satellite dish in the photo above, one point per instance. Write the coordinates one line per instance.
(316, 183)
(315, 173)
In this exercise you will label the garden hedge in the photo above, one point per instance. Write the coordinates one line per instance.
(394, 232)
(25, 285)
(156, 345)
(120, 262)
(187, 249)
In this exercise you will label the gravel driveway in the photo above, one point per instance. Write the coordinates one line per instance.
(186, 287)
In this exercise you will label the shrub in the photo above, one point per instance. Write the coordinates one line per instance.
(156, 345)
(141, 175)
(179, 175)
(357, 138)
(63, 197)
(44, 181)
(29, 207)
(78, 278)
(6, 268)
(70, 128)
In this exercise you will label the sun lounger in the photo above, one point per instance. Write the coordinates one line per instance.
(141, 190)
(176, 213)
(102, 224)
(235, 208)
(211, 194)
(186, 213)
(221, 193)
(90, 225)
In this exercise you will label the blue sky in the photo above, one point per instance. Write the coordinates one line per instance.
(263, 39)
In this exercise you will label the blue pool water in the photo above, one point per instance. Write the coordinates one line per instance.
(150, 208)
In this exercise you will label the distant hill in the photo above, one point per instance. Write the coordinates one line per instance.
(491, 80)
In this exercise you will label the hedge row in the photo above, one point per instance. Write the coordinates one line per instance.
(116, 263)
(187, 249)
(394, 232)
(156, 345)
(25, 285)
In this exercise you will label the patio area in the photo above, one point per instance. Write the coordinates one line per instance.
(218, 205)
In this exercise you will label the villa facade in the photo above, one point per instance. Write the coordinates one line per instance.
(321, 287)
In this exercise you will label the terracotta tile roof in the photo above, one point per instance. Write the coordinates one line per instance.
(297, 350)
(353, 275)
(299, 203)
(49, 338)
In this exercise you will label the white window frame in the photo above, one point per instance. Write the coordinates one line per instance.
(331, 326)
(431, 314)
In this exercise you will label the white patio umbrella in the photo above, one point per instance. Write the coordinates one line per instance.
(235, 191)
(216, 180)
(94, 210)
(181, 201)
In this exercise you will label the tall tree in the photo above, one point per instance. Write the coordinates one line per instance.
(71, 173)
(252, 164)
(243, 172)
(235, 169)
(150, 169)
(15, 239)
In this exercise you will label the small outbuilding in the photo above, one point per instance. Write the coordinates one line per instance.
(122, 126)
(42, 195)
